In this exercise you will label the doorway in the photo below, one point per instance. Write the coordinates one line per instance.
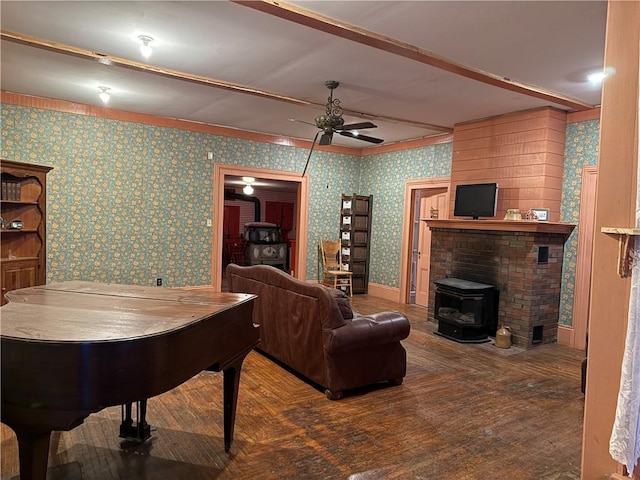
(424, 198)
(432, 203)
(302, 221)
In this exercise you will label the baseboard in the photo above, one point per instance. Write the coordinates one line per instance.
(565, 336)
(386, 293)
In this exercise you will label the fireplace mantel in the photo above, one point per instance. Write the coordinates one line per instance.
(502, 225)
(521, 259)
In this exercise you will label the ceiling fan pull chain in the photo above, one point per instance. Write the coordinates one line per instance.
(310, 152)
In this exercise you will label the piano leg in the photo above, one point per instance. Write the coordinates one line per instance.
(231, 385)
(33, 450)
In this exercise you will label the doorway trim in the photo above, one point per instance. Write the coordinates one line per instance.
(575, 335)
(302, 214)
(407, 227)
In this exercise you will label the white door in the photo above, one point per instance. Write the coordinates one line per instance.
(432, 202)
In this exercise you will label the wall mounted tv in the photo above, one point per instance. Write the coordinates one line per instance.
(476, 200)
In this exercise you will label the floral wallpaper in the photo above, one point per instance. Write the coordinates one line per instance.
(128, 202)
(124, 200)
(384, 176)
(581, 150)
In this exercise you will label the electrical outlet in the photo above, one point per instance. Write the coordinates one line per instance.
(159, 282)
(209, 155)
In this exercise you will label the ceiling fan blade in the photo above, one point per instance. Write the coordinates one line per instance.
(325, 139)
(302, 121)
(357, 126)
(361, 137)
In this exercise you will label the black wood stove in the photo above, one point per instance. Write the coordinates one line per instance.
(466, 311)
(264, 245)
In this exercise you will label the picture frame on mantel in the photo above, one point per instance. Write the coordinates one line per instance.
(541, 214)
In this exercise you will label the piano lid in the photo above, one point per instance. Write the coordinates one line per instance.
(76, 311)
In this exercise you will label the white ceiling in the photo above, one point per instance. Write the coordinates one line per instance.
(549, 45)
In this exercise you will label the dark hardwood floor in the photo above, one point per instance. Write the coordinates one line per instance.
(463, 412)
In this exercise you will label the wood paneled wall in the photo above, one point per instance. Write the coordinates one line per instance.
(523, 152)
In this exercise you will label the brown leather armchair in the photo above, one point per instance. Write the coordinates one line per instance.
(312, 329)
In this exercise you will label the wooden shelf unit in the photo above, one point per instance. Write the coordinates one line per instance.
(22, 251)
(355, 236)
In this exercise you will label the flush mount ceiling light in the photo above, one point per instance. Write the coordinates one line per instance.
(104, 94)
(248, 189)
(599, 75)
(596, 77)
(104, 60)
(145, 48)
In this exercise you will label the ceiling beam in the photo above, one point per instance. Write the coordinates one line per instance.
(307, 18)
(143, 67)
(189, 77)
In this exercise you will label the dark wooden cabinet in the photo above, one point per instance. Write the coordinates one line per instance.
(355, 236)
(22, 231)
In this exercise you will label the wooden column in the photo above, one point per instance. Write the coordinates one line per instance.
(615, 207)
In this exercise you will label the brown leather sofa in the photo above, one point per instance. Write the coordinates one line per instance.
(313, 330)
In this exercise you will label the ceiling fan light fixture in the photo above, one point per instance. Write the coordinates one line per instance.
(248, 180)
(145, 48)
(104, 94)
(247, 190)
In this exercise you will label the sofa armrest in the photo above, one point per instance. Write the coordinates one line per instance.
(366, 331)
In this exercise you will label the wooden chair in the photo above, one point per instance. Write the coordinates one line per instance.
(334, 275)
(234, 250)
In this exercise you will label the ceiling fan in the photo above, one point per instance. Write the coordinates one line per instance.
(332, 122)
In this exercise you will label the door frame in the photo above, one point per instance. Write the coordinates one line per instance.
(302, 218)
(427, 197)
(584, 256)
(407, 227)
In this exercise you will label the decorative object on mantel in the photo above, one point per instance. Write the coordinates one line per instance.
(626, 247)
(513, 214)
(539, 214)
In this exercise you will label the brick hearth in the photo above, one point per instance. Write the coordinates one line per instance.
(525, 266)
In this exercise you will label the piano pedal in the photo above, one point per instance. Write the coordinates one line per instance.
(135, 433)
(139, 431)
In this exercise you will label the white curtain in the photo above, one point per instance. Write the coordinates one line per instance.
(624, 445)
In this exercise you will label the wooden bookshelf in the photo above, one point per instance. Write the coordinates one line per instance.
(23, 230)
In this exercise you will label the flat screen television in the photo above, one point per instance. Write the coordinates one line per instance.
(476, 200)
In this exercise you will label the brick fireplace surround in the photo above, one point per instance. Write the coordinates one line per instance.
(523, 260)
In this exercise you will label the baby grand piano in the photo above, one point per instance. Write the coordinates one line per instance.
(74, 348)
